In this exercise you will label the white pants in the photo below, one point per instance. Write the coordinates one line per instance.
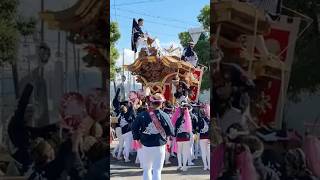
(127, 137)
(172, 145)
(205, 152)
(139, 157)
(197, 147)
(152, 161)
(183, 153)
(191, 157)
(119, 147)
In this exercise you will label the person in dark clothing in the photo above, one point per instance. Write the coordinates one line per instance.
(97, 167)
(21, 134)
(136, 33)
(194, 121)
(183, 133)
(17, 130)
(189, 55)
(47, 166)
(151, 128)
(126, 117)
(296, 167)
(203, 125)
(117, 104)
(256, 148)
(182, 91)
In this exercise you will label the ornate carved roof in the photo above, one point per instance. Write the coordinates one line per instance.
(80, 15)
(155, 69)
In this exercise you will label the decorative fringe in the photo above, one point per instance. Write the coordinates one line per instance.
(245, 165)
(175, 116)
(311, 150)
(218, 161)
(136, 145)
(187, 123)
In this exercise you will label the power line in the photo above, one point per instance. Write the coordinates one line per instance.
(157, 17)
(153, 32)
(159, 23)
(138, 2)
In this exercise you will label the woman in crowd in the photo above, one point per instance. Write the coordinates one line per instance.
(126, 117)
(183, 132)
(296, 167)
(118, 149)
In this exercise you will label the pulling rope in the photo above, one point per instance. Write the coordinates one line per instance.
(306, 19)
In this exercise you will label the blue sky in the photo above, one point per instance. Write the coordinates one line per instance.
(164, 19)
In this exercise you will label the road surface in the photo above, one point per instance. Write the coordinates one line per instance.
(119, 170)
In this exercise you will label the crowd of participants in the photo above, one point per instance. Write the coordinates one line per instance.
(54, 153)
(158, 131)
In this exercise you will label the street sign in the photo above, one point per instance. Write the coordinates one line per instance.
(195, 33)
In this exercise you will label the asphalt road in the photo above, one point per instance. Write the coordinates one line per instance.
(119, 170)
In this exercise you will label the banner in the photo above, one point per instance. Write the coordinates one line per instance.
(281, 41)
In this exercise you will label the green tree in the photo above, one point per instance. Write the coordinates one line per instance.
(305, 76)
(114, 54)
(8, 31)
(202, 48)
(204, 17)
(10, 27)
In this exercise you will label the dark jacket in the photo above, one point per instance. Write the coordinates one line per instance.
(144, 130)
(194, 121)
(203, 127)
(265, 173)
(96, 171)
(54, 169)
(178, 131)
(125, 120)
(18, 132)
(21, 135)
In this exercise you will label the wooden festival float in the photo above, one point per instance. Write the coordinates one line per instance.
(162, 73)
(86, 23)
(233, 22)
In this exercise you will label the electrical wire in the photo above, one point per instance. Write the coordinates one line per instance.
(156, 17)
(138, 2)
(159, 23)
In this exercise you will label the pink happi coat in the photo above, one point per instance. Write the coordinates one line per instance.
(187, 124)
(311, 149)
(207, 110)
(245, 165)
(136, 145)
(217, 161)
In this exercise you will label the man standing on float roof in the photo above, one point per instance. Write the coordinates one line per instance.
(189, 55)
(138, 37)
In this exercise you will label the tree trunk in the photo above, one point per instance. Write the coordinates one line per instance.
(15, 76)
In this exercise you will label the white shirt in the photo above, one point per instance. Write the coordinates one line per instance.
(191, 59)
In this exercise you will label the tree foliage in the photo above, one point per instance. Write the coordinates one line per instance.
(204, 17)
(26, 26)
(11, 27)
(8, 30)
(305, 76)
(202, 48)
(114, 54)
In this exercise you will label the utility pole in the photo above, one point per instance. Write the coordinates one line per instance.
(42, 36)
(66, 71)
(123, 78)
